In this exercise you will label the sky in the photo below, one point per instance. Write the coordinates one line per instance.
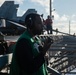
(64, 13)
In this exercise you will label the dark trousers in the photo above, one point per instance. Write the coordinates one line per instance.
(49, 29)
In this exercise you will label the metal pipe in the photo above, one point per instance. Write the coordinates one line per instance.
(50, 8)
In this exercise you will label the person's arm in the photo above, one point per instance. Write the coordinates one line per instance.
(25, 58)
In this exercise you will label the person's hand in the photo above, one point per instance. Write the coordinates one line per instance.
(47, 45)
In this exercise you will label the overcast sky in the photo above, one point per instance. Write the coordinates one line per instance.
(64, 12)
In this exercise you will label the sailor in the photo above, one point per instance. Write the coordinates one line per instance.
(28, 56)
